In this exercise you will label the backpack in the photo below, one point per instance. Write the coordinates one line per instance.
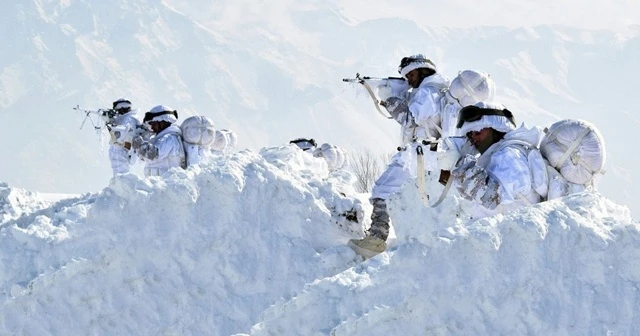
(467, 88)
(198, 132)
(224, 139)
(571, 154)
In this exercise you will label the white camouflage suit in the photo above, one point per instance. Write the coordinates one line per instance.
(164, 150)
(419, 114)
(423, 116)
(123, 128)
(501, 178)
(170, 152)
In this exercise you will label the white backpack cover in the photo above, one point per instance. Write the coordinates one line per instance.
(335, 157)
(198, 130)
(468, 88)
(224, 139)
(576, 149)
(471, 86)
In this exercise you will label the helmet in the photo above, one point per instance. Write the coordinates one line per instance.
(161, 113)
(303, 143)
(415, 62)
(471, 86)
(485, 115)
(122, 105)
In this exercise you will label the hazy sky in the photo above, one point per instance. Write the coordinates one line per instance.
(588, 14)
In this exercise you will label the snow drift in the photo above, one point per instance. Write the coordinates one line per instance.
(255, 243)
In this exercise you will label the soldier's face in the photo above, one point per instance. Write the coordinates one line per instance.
(482, 139)
(156, 127)
(413, 78)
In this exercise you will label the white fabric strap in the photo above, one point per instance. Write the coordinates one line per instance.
(569, 151)
(444, 192)
(375, 100)
(420, 174)
(469, 90)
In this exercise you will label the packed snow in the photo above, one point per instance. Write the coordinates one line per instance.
(254, 243)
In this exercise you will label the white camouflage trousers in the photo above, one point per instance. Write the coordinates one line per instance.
(402, 168)
(121, 159)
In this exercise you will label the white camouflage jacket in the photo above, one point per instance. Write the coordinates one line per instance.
(123, 128)
(425, 108)
(163, 151)
(501, 179)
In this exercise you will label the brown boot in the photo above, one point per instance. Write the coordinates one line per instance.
(368, 246)
(375, 242)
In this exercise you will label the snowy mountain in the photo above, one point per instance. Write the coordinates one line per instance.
(272, 72)
(255, 243)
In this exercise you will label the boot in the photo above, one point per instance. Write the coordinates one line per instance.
(368, 246)
(375, 242)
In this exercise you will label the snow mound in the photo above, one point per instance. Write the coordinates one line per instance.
(568, 266)
(15, 202)
(256, 242)
(202, 251)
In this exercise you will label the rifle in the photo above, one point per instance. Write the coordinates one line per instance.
(397, 84)
(432, 143)
(106, 115)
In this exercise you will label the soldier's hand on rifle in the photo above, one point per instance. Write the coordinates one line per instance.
(398, 109)
(147, 151)
(137, 142)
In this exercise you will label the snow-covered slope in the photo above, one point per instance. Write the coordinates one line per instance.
(15, 202)
(565, 267)
(203, 252)
(254, 243)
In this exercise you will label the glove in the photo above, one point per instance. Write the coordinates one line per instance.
(397, 107)
(137, 141)
(449, 156)
(148, 151)
(384, 92)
